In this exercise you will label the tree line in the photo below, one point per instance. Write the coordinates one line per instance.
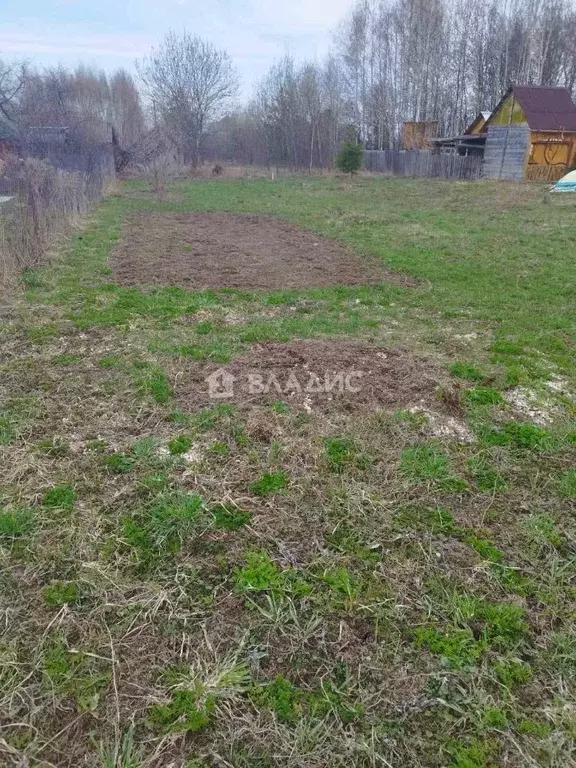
(392, 60)
(399, 60)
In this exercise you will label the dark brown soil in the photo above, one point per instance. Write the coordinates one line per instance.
(225, 250)
(362, 377)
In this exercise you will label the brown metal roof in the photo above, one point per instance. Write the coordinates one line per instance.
(547, 109)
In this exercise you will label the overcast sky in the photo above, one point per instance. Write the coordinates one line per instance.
(112, 33)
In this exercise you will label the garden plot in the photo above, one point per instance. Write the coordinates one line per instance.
(224, 250)
(315, 375)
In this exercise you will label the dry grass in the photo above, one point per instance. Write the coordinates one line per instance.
(48, 204)
(259, 583)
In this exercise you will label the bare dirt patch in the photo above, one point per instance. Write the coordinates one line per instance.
(224, 250)
(314, 375)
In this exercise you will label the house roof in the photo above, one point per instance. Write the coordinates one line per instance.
(546, 109)
(480, 119)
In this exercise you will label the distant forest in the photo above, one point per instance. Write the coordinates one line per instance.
(391, 61)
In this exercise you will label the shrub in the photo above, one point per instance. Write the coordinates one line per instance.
(349, 159)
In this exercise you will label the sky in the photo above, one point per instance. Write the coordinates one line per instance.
(113, 33)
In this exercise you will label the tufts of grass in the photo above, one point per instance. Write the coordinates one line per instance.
(184, 713)
(486, 477)
(437, 520)
(475, 754)
(229, 518)
(341, 581)
(109, 362)
(219, 449)
(341, 452)
(494, 718)
(543, 532)
(477, 626)
(424, 462)
(154, 382)
(196, 693)
(509, 577)
(76, 673)
(162, 525)
(280, 407)
(534, 728)
(119, 463)
(55, 448)
(428, 463)
(457, 648)
(483, 396)
(40, 334)
(281, 697)
(290, 704)
(567, 484)
(466, 371)
(15, 523)
(59, 497)
(62, 593)
(512, 672)
(180, 445)
(259, 573)
(521, 436)
(270, 483)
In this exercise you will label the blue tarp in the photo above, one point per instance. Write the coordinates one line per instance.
(566, 184)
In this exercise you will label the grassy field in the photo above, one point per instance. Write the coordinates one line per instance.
(263, 585)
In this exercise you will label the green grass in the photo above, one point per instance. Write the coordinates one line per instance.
(270, 483)
(14, 523)
(59, 497)
(320, 585)
(62, 593)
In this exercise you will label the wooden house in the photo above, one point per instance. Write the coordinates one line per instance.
(531, 134)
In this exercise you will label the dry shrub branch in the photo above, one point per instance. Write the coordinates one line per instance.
(47, 203)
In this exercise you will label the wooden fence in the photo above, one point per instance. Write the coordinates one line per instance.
(423, 163)
(549, 173)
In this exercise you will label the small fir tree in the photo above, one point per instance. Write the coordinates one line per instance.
(349, 159)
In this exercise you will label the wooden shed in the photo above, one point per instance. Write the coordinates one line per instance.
(537, 124)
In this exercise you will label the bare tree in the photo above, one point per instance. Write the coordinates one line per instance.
(127, 113)
(12, 79)
(189, 82)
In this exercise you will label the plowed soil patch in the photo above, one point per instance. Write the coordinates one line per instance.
(314, 374)
(224, 250)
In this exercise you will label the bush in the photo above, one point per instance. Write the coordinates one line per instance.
(48, 202)
(349, 159)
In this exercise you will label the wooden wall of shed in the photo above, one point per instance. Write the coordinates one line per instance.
(506, 151)
(508, 113)
(552, 148)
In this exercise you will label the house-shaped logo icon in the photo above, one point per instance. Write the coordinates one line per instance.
(220, 384)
